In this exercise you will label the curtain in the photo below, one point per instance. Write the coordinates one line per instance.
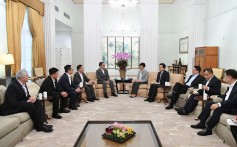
(37, 32)
(15, 18)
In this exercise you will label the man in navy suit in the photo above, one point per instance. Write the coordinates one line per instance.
(179, 88)
(68, 86)
(17, 99)
(211, 86)
(228, 105)
(162, 77)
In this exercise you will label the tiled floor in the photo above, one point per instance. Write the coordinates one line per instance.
(173, 130)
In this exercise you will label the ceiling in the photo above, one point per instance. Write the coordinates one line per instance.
(106, 1)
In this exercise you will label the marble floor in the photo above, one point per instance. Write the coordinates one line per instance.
(172, 129)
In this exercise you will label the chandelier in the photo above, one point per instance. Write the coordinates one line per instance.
(123, 4)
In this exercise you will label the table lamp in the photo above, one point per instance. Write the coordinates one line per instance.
(7, 60)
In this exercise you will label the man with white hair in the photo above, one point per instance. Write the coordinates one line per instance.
(17, 99)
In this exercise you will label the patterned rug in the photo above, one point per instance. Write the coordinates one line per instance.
(173, 130)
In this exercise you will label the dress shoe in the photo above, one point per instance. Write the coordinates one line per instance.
(113, 94)
(106, 96)
(205, 132)
(77, 105)
(169, 107)
(182, 111)
(198, 126)
(50, 126)
(64, 111)
(177, 109)
(96, 98)
(151, 100)
(57, 116)
(72, 107)
(44, 128)
(90, 100)
(170, 96)
(146, 99)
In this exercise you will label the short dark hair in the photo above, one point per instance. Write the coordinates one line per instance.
(53, 70)
(101, 63)
(198, 68)
(232, 73)
(67, 68)
(163, 65)
(79, 66)
(142, 64)
(209, 70)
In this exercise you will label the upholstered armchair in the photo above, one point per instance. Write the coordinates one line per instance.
(98, 87)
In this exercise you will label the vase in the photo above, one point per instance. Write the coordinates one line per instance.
(122, 73)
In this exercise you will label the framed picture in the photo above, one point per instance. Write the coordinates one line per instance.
(183, 45)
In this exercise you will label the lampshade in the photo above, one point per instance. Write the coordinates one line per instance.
(6, 59)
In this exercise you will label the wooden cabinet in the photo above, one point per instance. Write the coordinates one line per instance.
(206, 57)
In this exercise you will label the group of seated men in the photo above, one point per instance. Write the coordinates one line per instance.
(18, 99)
(211, 85)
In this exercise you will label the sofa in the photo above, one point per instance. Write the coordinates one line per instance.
(13, 128)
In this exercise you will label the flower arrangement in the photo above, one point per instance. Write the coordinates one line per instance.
(119, 131)
(122, 59)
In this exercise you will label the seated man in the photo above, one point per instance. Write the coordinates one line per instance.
(102, 76)
(228, 106)
(80, 77)
(162, 77)
(66, 84)
(50, 85)
(178, 88)
(212, 86)
(142, 78)
(17, 99)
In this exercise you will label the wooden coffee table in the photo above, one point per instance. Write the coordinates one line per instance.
(146, 135)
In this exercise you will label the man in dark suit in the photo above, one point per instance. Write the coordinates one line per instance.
(212, 86)
(17, 99)
(162, 77)
(50, 85)
(179, 88)
(66, 84)
(102, 76)
(80, 78)
(228, 105)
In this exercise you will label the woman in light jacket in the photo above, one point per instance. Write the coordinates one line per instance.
(142, 78)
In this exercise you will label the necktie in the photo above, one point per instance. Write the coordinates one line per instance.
(24, 87)
(160, 76)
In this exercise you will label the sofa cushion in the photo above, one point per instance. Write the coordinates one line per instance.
(7, 125)
(224, 117)
(2, 93)
(21, 116)
(33, 88)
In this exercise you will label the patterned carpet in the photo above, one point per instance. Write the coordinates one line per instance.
(173, 130)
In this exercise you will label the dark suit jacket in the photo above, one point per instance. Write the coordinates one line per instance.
(198, 80)
(165, 77)
(102, 77)
(231, 103)
(48, 86)
(214, 87)
(65, 85)
(14, 97)
(77, 78)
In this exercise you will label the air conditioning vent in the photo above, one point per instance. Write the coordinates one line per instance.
(66, 15)
(56, 8)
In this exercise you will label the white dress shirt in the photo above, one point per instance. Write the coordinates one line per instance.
(228, 92)
(191, 80)
(53, 82)
(103, 71)
(140, 75)
(69, 78)
(81, 75)
(24, 87)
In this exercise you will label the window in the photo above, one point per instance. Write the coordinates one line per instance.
(113, 45)
(26, 46)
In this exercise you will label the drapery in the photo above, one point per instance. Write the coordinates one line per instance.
(37, 32)
(15, 17)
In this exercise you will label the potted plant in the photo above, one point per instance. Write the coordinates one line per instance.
(122, 62)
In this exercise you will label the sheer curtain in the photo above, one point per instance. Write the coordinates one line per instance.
(26, 46)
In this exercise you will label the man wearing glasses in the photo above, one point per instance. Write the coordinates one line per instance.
(179, 88)
(102, 76)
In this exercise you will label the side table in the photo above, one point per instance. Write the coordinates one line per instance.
(200, 98)
(123, 81)
(164, 99)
